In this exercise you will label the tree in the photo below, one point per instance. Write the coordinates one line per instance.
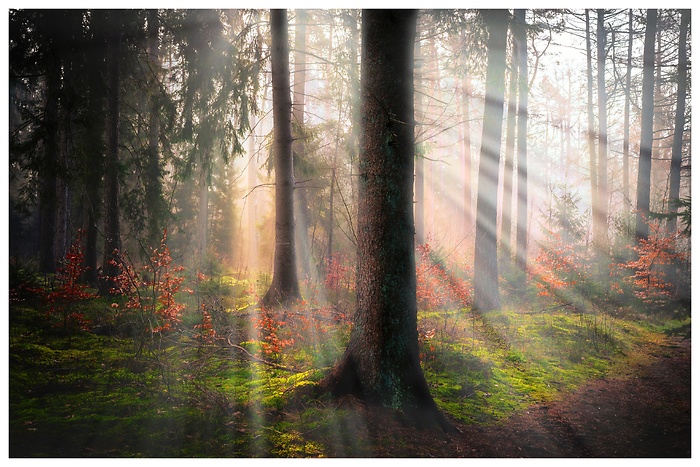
(647, 136)
(506, 209)
(381, 362)
(626, 124)
(112, 219)
(285, 284)
(420, 156)
(521, 231)
(679, 124)
(600, 209)
(591, 127)
(486, 293)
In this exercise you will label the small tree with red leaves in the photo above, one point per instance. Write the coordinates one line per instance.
(654, 257)
(151, 291)
(64, 298)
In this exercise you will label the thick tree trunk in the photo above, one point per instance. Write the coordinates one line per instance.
(647, 136)
(486, 293)
(679, 124)
(521, 231)
(285, 284)
(381, 363)
(112, 225)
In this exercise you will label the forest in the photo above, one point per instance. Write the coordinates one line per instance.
(349, 233)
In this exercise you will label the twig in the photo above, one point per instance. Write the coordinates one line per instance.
(258, 359)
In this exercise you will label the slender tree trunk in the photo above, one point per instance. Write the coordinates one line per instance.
(252, 196)
(486, 293)
(285, 284)
(381, 363)
(679, 124)
(466, 146)
(420, 127)
(298, 145)
(647, 136)
(591, 127)
(48, 195)
(522, 230)
(626, 124)
(203, 212)
(112, 224)
(601, 211)
(95, 130)
(154, 203)
(507, 203)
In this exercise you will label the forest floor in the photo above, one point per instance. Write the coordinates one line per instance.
(642, 413)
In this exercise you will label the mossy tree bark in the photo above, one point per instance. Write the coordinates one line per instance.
(381, 363)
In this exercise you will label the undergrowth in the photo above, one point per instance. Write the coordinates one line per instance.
(233, 390)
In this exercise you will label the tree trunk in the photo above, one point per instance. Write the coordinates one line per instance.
(486, 293)
(285, 284)
(381, 363)
(112, 225)
(647, 136)
(507, 203)
(591, 127)
(252, 202)
(466, 146)
(679, 124)
(420, 115)
(48, 195)
(521, 233)
(298, 145)
(626, 124)
(155, 208)
(203, 213)
(600, 211)
(95, 158)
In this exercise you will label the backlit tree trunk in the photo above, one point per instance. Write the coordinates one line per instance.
(285, 284)
(486, 293)
(679, 124)
(420, 160)
(626, 124)
(591, 126)
(600, 209)
(647, 136)
(506, 209)
(381, 363)
(521, 231)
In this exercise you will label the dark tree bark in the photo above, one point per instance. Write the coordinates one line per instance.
(600, 209)
(507, 203)
(486, 293)
(647, 136)
(521, 231)
(155, 206)
(95, 144)
(112, 224)
(381, 363)
(679, 124)
(285, 284)
(48, 194)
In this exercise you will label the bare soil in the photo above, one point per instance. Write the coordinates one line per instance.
(643, 413)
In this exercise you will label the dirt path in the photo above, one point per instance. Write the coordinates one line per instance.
(644, 413)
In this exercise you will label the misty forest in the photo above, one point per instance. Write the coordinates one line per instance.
(346, 233)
